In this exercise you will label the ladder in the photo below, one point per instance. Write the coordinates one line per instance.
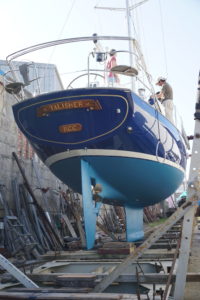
(5, 263)
(181, 211)
(193, 193)
(17, 238)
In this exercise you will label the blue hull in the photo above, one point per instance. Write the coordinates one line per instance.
(129, 181)
(137, 148)
(107, 136)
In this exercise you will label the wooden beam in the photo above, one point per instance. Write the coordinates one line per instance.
(92, 255)
(69, 226)
(144, 278)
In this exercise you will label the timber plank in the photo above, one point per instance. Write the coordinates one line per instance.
(64, 296)
(144, 278)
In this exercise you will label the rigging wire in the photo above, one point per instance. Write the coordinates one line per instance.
(133, 24)
(98, 19)
(136, 32)
(67, 18)
(134, 16)
(59, 36)
(141, 60)
(163, 36)
(62, 29)
(137, 45)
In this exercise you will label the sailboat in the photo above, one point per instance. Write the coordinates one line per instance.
(103, 140)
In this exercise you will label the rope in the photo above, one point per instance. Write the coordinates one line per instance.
(159, 140)
(157, 156)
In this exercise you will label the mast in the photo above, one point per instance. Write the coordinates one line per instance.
(129, 31)
(127, 9)
(130, 42)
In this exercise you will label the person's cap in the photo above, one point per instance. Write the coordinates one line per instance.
(112, 52)
(160, 79)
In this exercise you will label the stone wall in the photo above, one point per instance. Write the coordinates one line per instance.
(11, 140)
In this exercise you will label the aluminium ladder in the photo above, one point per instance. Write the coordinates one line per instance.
(193, 193)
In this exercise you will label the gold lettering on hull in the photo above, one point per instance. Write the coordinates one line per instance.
(65, 105)
(67, 128)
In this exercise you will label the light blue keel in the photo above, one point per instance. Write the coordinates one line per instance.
(90, 207)
(134, 224)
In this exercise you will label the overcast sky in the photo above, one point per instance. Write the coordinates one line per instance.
(166, 29)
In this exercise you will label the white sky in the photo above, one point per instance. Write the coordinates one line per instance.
(166, 29)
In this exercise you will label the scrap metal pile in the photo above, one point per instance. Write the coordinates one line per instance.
(29, 230)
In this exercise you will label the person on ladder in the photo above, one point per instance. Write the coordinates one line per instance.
(166, 94)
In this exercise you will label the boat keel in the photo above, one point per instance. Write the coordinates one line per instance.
(90, 206)
(134, 224)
